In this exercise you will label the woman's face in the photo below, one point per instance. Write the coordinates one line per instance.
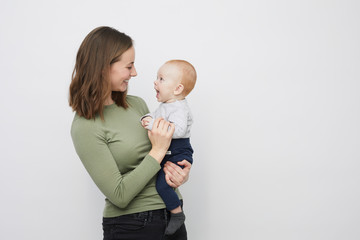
(121, 71)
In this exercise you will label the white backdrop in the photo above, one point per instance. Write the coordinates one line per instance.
(276, 107)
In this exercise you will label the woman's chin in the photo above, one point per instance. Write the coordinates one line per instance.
(123, 89)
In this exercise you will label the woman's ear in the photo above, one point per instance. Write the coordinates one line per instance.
(179, 89)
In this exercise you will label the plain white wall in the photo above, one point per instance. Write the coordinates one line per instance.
(276, 106)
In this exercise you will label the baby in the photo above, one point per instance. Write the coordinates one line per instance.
(175, 80)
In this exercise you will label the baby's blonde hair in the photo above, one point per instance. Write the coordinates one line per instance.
(188, 74)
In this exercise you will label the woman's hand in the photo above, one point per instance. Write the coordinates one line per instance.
(160, 137)
(176, 176)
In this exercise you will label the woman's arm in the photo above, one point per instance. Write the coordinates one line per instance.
(120, 189)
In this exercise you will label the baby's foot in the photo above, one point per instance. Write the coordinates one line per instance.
(176, 221)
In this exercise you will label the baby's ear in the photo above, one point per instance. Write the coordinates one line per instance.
(179, 89)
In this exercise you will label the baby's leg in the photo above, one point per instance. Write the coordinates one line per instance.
(176, 210)
(166, 192)
(172, 202)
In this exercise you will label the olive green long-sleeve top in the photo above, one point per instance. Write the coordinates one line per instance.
(115, 154)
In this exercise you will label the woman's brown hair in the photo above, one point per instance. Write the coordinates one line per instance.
(90, 86)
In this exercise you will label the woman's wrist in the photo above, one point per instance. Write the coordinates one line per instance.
(158, 155)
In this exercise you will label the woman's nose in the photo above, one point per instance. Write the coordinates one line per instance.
(133, 72)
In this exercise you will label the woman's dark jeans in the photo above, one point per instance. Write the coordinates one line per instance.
(149, 225)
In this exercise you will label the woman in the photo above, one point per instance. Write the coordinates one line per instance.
(111, 143)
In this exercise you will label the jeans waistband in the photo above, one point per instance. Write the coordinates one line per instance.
(159, 214)
(146, 215)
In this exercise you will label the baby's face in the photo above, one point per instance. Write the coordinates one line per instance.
(168, 78)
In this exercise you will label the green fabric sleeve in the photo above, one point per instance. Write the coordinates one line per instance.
(95, 155)
(92, 140)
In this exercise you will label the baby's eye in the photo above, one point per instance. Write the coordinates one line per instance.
(161, 79)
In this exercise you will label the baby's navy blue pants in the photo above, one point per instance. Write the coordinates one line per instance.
(179, 150)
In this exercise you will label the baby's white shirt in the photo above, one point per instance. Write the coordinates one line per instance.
(177, 112)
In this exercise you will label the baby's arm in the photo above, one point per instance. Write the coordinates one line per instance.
(147, 120)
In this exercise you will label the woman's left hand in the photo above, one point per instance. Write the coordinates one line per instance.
(176, 176)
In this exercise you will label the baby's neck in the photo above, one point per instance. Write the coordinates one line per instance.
(179, 98)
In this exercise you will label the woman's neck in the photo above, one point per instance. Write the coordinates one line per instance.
(108, 101)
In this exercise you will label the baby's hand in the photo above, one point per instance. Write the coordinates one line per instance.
(145, 121)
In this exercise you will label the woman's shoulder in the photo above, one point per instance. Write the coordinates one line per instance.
(81, 125)
(135, 100)
(137, 103)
